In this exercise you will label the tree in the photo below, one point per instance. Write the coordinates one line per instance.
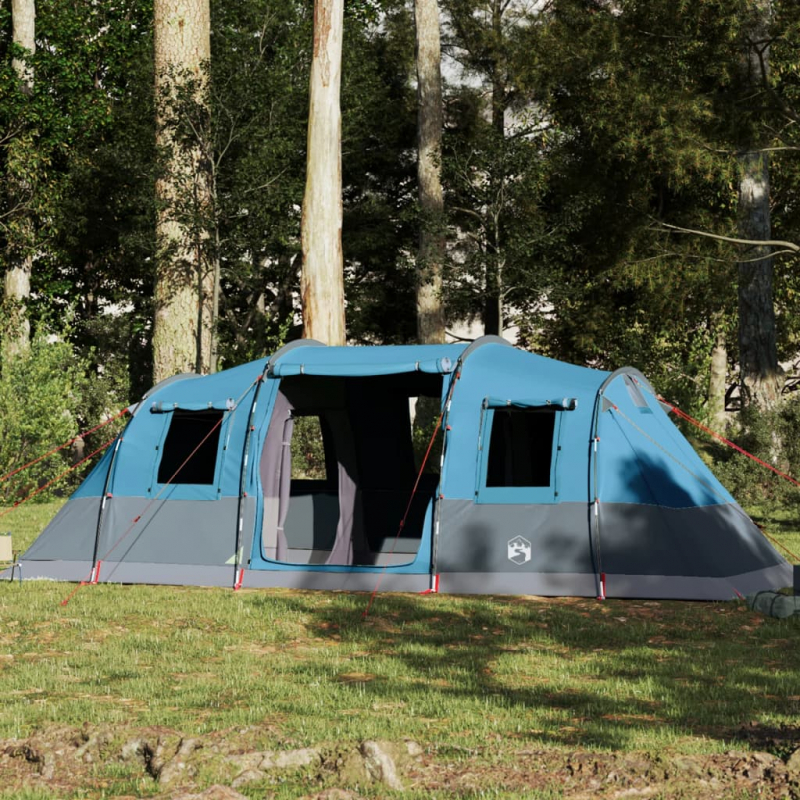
(493, 160)
(322, 280)
(431, 252)
(760, 376)
(185, 287)
(20, 238)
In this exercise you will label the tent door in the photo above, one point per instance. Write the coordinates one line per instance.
(338, 469)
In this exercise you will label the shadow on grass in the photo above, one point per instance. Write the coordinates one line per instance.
(577, 672)
(611, 675)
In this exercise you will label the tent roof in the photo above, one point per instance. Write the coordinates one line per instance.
(314, 359)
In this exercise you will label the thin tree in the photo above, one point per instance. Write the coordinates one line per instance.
(431, 253)
(322, 279)
(185, 277)
(20, 255)
(760, 375)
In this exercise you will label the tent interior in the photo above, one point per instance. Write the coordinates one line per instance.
(348, 507)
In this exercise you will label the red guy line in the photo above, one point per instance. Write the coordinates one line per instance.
(733, 445)
(11, 474)
(57, 478)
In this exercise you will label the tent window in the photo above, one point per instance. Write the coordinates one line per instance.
(635, 393)
(521, 448)
(192, 435)
(308, 449)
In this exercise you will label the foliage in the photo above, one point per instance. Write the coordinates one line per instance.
(308, 451)
(750, 482)
(47, 398)
(576, 132)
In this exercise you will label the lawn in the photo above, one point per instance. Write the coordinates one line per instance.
(474, 680)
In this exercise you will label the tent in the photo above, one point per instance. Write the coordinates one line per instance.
(553, 479)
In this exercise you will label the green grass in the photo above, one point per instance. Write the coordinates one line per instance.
(480, 675)
(617, 675)
(621, 674)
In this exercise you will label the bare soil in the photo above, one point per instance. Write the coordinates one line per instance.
(254, 762)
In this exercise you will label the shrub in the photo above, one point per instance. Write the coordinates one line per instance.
(772, 437)
(46, 397)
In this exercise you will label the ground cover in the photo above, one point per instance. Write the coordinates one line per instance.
(506, 697)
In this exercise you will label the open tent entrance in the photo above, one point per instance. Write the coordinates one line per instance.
(338, 469)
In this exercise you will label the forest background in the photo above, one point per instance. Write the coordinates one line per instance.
(620, 184)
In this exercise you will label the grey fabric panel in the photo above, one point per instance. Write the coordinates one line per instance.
(70, 534)
(284, 485)
(53, 570)
(170, 531)
(312, 519)
(300, 556)
(663, 587)
(342, 550)
(677, 587)
(544, 584)
(709, 541)
(474, 537)
(333, 581)
(194, 575)
(167, 574)
(270, 471)
(134, 572)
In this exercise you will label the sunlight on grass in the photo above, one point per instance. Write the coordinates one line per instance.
(464, 672)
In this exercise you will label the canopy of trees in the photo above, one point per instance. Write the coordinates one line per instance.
(592, 184)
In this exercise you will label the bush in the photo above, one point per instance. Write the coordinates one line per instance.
(772, 437)
(46, 397)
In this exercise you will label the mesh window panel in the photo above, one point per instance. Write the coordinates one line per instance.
(187, 433)
(521, 447)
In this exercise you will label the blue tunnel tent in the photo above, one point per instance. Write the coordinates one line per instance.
(554, 480)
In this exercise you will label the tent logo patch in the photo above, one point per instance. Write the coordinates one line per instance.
(519, 550)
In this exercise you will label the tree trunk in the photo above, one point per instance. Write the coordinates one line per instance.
(717, 382)
(493, 308)
(322, 278)
(760, 374)
(17, 283)
(184, 291)
(431, 254)
(23, 22)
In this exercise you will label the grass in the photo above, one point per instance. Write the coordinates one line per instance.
(477, 675)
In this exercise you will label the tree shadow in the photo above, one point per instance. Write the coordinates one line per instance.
(581, 672)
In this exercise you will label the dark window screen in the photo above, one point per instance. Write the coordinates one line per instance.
(520, 447)
(190, 431)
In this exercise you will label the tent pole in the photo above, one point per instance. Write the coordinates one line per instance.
(238, 570)
(594, 498)
(437, 509)
(105, 498)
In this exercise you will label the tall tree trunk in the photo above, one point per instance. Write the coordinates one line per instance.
(431, 254)
(493, 308)
(717, 382)
(322, 278)
(760, 374)
(184, 291)
(17, 283)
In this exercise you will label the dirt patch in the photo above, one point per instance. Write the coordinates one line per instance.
(229, 765)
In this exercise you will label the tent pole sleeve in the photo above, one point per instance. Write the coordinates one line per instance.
(594, 492)
(238, 556)
(106, 494)
(437, 508)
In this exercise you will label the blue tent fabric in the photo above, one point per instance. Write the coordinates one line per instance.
(554, 479)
